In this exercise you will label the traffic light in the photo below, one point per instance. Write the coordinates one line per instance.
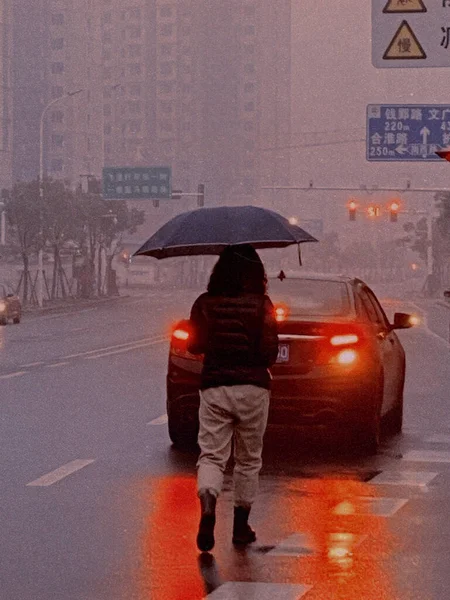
(394, 208)
(201, 195)
(352, 206)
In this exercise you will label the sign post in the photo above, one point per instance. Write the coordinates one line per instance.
(410, 33)
(411, 132)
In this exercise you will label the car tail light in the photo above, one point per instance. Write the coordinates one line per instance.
(344, 340)
(181, 334)
(280, 313)
(347, 357)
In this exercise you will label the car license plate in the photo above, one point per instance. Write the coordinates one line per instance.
(283, 353)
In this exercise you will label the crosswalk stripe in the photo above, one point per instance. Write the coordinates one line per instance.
(260, 591)
(436, 456)
(60, 473)
(406, 478)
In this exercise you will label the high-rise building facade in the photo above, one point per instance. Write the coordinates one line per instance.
(5, 94)
(200, 85)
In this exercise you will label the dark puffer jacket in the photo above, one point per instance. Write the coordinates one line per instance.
(238, 336)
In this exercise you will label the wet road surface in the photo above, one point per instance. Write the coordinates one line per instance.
(96, 505)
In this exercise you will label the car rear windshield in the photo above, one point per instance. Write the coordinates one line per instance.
(311, 297)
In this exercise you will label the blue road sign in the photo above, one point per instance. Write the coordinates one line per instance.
(137, 183)
(410, 132)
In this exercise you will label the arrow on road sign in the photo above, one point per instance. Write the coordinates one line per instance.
(402, 150)
(404, 45)
(405, 6)
(425, 132)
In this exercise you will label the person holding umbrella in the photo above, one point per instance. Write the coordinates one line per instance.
(234, 326)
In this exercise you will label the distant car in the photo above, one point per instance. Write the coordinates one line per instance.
(10, 305)
(339, 363)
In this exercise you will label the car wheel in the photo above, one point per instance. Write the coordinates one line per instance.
(182, 431)
(16, 320)
(395, 416)
(3, 321)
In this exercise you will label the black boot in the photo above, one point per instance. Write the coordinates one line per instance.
(242, 532)
(205, 537)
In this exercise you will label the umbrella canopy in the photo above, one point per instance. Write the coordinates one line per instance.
(211, 230)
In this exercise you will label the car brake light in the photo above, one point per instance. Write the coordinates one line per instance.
(347, 357)
(344, 340)
(280, 313)
(180, 334)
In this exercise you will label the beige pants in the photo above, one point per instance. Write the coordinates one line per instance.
(242, 411)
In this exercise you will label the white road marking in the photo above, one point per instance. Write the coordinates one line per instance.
(378, 507)
(122, 350)
(59, 364)
(436, 456)
(260, 591)
(60, 473)
(406, 478)
(11, 375)
(34, 364)
(162, 420)
(107, 348)
(438, 438)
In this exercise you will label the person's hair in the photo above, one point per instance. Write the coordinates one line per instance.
(239, 270)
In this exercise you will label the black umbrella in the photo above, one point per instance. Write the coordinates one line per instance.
(211, 230)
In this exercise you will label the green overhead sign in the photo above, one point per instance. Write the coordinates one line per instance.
(137, 183)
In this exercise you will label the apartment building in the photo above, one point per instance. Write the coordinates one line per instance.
(5, 94)
(200, 85)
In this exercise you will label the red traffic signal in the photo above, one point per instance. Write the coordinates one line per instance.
(394, 208)
(352, 206)
(445, 154)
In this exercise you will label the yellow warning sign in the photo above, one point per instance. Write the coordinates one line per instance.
(405, 6)
(404, 45)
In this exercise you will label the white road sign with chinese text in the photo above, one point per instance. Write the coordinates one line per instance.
(410, 33)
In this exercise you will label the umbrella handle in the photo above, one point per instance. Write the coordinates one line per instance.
(299, 255)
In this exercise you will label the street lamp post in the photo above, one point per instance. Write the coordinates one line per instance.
(40, 273)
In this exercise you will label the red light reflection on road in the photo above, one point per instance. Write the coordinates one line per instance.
(170, 553)
(351, 548)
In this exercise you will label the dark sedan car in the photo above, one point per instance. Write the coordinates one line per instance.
(10, 306)
(339, 363)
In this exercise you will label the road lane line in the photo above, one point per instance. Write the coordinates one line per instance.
(11, 375)
(59, 364)
(107, 348)
(33, 364)
(60, 473)
(162, 420)
(122, 350)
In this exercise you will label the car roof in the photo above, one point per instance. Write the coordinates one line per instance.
(296, 275)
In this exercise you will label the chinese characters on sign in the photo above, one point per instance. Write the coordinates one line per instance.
(137, 183)
(407, 133)
(411, 33)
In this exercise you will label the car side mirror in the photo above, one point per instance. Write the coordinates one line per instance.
(403, 321)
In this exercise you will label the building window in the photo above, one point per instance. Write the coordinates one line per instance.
(134, 107)
(134, 32)
(107, 72)
(107, 110)
(57, 19)
(57, 140)
(186, 125)
(107, 54)
(166, 29)
(166, 126)
(249, 88)
(248, 126)
(107, 37)
(249, 30)
(57, 68)
(107, 129)
(57, 116)
(135, 69)
(249, 48)
(166, 68)
(249, 11)
(249, 68)
(107, 18)
(165, 11)
(166, 49)
(134, 51)
(135, 126)
(57, 91)
(56, 165)
(249, 107)
(57, 43)
(166, 108)
(165, 87)
(135, 89)
(134, 13)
